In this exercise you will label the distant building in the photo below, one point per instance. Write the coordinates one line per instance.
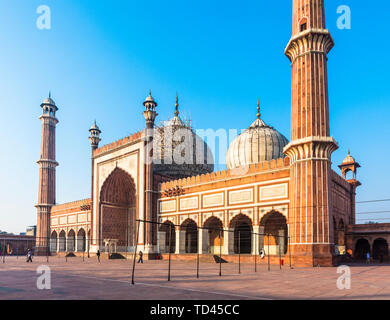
(31, 231)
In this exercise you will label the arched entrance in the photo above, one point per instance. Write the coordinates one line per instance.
(242, 226)
(214, 228)
(168, 230)
(274, 228)
(361, 249)
(117, 209)
(71, 241)
(62, 241)
(81, 241)
(53, 242)
(191, 235)
(380, 250)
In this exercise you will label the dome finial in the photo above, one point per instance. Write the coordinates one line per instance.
(50, 94)
(177, 106)
(349, 151)
(258, 109)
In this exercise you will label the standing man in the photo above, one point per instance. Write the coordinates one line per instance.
(368, 258)
(29, 256)
(140, 260)
(98, 255)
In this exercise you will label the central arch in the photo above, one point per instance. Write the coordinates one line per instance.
(242, 226)
(117, 209)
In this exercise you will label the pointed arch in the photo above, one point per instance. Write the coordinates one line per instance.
(53, 241)
(81, 240)
(191, 235)
(118, 209)
(71, 241)
(274, 225)
(168, 243)
(214, 226)
(62, 241)
(242, 226)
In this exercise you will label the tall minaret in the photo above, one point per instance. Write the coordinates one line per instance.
(47, 174)
(311, 146)
(150, 115)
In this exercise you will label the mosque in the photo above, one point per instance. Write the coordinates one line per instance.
(284, 191)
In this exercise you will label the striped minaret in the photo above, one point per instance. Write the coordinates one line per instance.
(47, 175)
(311, 146)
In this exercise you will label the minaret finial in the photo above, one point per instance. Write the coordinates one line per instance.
(258, 109)
(177, 106)
(50, 94)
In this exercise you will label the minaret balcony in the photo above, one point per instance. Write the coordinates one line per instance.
(309, 41)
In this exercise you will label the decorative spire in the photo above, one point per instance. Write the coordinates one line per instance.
(258, 109)
(50, 94)
(177, 106)
(349, 152)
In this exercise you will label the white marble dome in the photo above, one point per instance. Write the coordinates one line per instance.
(175, 139)
(258, 143)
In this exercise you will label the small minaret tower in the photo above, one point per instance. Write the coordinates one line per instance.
(311, 145)
(350, 165)
(94, 139)
(94, 136)
(47, 175)
(150, 115)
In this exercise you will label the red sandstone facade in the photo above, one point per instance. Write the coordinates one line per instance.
(294, 206)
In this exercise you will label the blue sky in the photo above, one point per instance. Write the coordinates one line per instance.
(101, 58)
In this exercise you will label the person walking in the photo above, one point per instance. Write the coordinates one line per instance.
(140, 260)
(29, 256)
(98, 255)
(368, 258)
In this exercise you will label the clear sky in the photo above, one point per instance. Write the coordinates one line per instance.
(101, 57)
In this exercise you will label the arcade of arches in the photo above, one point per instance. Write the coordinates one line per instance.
(69, 242)
(378, 249)
(239, 238)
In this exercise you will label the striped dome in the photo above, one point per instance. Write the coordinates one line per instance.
(258, 143)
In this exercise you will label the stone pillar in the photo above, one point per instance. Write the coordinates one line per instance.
(203, 241)
(161, 242)
(228, 241)
(261, 237)
(180, 241)
(255, 240)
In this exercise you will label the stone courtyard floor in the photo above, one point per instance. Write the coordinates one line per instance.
(111, 279)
